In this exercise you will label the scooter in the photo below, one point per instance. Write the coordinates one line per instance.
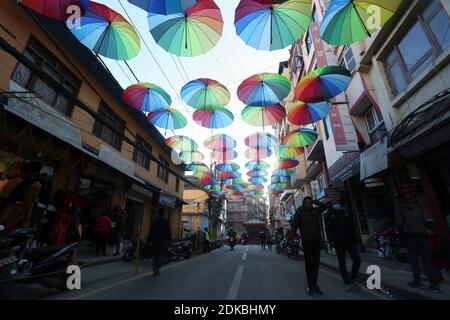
(181, 249)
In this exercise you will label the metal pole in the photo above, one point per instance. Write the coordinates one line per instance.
(138, 251)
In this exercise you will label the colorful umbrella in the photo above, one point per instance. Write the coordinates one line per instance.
(235, 193)
(190, 33)
(205, 181)
(279, 179)
(197, 167)
(191, 156)
(257, 165)
(107, 33)
(263, 116)
(300, 138)
(220, 142)
(277, 187)
(224, 156)
(168, 119)
(204, 93)
(286, 152)
(322, 84)
(256, 187)
(203, 175)
(264, 89)
(272, 27)
(228, 175)
(285, 172)
(350, 21)
(302, 114)
(234, 181)
(227, 167)
(257, 173)
(181, 143)
(270, 1)
(147, 97)
(210, 184)
(286, 164)
(258, 154)
(256, 193)
(213, 117)
(261, 140)
(164, 6)
(257, 180)
(55, 9)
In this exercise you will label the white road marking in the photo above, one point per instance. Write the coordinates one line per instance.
(244, 256)
(234, 289)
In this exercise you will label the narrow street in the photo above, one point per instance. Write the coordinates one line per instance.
(246, 273)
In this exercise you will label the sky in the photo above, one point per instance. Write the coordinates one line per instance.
(230, 62)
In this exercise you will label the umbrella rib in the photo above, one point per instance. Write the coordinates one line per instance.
(360, 18)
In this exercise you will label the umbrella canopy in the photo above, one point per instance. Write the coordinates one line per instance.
(181, 143)
(165, 6)
(107, 33)
(147, 97)
(258, 154)
(213, 117)
(227, 167)
(191, 156)
(190, 33)
(205, 181)
(202, 175)
(272, 27)
(283, 172)
(278, 187)
(257, 180)
(256, 187)
(235, 193)
(256, 193)
(257, 173)
(322, 84)
(263, 116)
(279, 179)
(257, 165)
(264, 89)
(234, 181)
(209, 183)
(350, 21)
(270, 1)
(300, 138)
(55, 9)
(302, 114)
(286, 152)
(220, 142)
(286, 164)
(224, 156)
(261, 140)
(204, 93)
(228, 175)
(197, 167)
(171, 119)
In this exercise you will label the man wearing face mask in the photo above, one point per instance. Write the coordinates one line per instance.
(341, 232)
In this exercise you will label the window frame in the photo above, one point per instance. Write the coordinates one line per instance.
(104, 111)
(344, 58)
(139, 156)
(375, 117)
(163, 172)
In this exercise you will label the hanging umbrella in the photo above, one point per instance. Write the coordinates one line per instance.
(164, 6)
(286, 152)
(191, 156)
(350, 21)
(278, 187)
(263, 116)
(283, 172)
(204, 93)
(322, 84)
(258, 154)
(264, 89)
(257, 165)
(272, 27)
(256, 193)
(256, 187)
(204, 181)
(228, 175)
(147, 97)
(261, 140)
(213, 117)
(270, 1)
(279, 179)
(302, 114)
(227, 167)
(203, 175)
(235, 193)
(257, 173)
(107, 33)
(181, 143)
(197, 167)
(234, 181)
(224, 156)
(190, 33)
(55, 9)
(171, 119)
(300, 138)
(220, 142)
(286, 164)
(257, 180)
(210, 184)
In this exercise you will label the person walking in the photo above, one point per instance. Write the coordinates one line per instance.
(411, 224)
(269, 239)
(160, 237)
(206, 240)
(262, 239)
(307, 220)
(341, 232)
(118, 228)
(102, 230)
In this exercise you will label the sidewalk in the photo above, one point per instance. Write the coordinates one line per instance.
(394, 276)
(86, 256)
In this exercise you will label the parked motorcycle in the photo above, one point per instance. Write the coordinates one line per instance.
(145, 251)
(180, 249)
(8, 268)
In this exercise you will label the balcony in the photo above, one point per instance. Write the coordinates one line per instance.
(316, 152)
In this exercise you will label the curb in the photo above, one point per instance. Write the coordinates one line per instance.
(88, 264)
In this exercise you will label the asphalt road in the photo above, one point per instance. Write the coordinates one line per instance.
(245, 273)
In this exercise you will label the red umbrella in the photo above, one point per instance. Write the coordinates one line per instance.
(55, 9)
(269, 1)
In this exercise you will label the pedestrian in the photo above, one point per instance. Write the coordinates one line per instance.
(206, 242)
(341, 232)
(411, 224)
(102, 230)
(118, 228)
(307, 220)
(160, 238)
(262, 239)
(269, 239)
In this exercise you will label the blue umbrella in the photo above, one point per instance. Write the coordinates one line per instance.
(164, 6)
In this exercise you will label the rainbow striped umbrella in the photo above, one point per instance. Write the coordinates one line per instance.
(213, 117)
(279, 179)
(256, 193)
(170, 118)
(191, 156)
(205, 93)
(107, 33)
(227, 167)
(55, 9)
(270, 1)
(220, 142)
(224, 156)
(228, 175)
(181, 143)
(261, 140)
(264, 89)
(235, 193)
(286, 164)
(277, 187)
(164, 6)
(234, 181)
(272, 27)
(300, 138)
(286, 152)
(257, 173)
(256, 187)
(322, 84)
(257, 165)
(190, 33)
(302, 114)
(283, 172)
(257, 180)
(197, 167)
(263, 116)
(147, 97)
(258, 154)
(202, 175)
(209, 183)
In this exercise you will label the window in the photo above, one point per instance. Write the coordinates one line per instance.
(104, 132)
(57, 71)
(142, 154)
(407, 59)
(349, 59)
(327, 126)
(177, 185)
(375, 124)
(308, 42)
(163, 173)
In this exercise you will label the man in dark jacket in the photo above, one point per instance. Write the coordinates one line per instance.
(160, 238)
(411, 224)
(341, 232)
(307, 220)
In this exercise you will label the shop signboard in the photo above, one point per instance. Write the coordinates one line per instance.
(374, 159)
(141, 190)
(167, 200)
(345, 168)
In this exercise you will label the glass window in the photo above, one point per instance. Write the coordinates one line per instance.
(163, 173)
(412, 53)
(309, 42)
(112, 121)
(440, 24)
(349, 59)
(141, 155)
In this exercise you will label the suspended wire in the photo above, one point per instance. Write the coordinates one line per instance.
(126, 75)
(134, 75)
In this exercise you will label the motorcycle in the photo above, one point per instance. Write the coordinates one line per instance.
(293, 249)
(8, 268)
(181, 249)
(145, 251)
